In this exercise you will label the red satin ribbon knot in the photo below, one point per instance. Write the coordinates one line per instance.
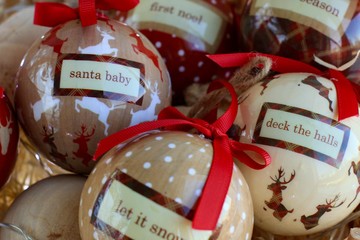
(51, 14)
(347, 95)
(218, 181)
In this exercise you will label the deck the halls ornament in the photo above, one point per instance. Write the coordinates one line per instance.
(309, 31)
(9, 137)
(78, 84)
(184, 32)
(170, 183)
(308, 122)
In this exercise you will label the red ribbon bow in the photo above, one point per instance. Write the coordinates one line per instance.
(217, 184)
(347, 94)
(51, 14)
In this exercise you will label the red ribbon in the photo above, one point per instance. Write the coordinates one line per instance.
(51, 14)
(347, 97)
(217, 184)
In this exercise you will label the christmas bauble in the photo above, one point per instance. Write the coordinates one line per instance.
(149, 188)
(9, 138)
(313, 180)
(302, 29)
(184, 32)
(47, 210)
(76, 85)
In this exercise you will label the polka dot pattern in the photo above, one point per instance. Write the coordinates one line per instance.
(169, 166)
(147, 165)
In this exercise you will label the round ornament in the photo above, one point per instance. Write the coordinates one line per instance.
(77, 85)
(47, 210)
(302, 30)
(313, 181)
(184, 32)
(9, 138)
(149, 187)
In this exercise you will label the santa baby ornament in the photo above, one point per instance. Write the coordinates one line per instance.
(86, 78)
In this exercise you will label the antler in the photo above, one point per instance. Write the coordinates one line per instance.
(84, 130)
(331, 202)
(8, 122)
(282, 174)
(292, 176)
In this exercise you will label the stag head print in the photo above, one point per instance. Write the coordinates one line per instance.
(355, 167)
(103, 47)
(5, 132)
(275, 202)
(312, 221)
(149, 113)
(82, 138)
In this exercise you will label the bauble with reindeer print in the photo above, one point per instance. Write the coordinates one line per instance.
(313, 181)
(77, 85)
(9, 138)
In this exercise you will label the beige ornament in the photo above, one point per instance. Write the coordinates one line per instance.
(17, 34)
(312, 183)
(47, 210)
(148, 189)
(78, 85)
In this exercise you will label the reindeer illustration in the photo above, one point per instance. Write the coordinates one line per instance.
(47, 101)
(98, 107)
(265, 83)
(356, 170)
(149, 113)
(323, 91)
(140, 47)
(53, 41)
(277, 187)
(5, 132)
(102, 47)
(312, 221)
(49, 139)
(82, 138)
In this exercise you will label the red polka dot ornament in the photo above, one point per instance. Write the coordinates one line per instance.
(9, 138)
(184, 32)
(169, 183)
(86, 78)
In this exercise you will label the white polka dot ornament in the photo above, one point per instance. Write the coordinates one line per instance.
(79, 84)
(159, 185)
(311, 130)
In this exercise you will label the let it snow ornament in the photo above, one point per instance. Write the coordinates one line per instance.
(308, 122)
(78, 84)
(170, 184)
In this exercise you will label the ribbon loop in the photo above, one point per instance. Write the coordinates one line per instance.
(220, 173)
(50, 14)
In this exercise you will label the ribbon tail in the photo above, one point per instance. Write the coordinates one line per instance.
(216, 187)
(347, 98)
(87, 11)
(238, 149)
(50, 14)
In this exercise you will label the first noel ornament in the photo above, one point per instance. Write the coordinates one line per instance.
(86, 78)
(308, 122)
